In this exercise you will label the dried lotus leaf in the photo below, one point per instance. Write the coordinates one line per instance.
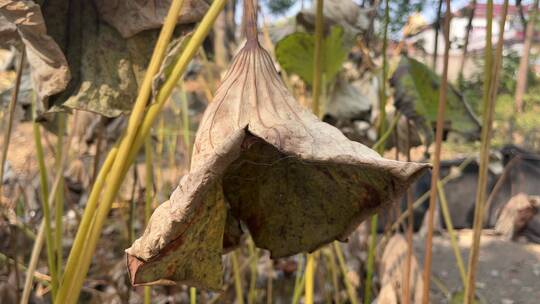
(297, 183)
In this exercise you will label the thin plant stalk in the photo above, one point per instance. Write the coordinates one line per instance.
(379, 145)
(32, 265)
(452, 233)
(521, 81)
(299, 286)
(193, 295)
(436, 157)
(315, 106)
(59, 196)
(186, 132)
(331, 264)
(131, 143)
(237, 278)
(406, 296)
(38, 244)
(269, 276)
(492, 69)
(381, 130)
(318, 56)
(149, 186)
(44, 185)
(467, 36)
(436, 39)
(351, 292)
(252, 293)
(309, 276)
(11, 114)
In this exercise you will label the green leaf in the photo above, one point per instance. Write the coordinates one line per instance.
(295, 54)
(417, 96)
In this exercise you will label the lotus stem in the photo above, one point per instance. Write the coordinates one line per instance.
(406, 296)
(298, 285)
(451, 232)
(436, 158)
(351, 292)
(186, 132)
(315, 106)
(45, 203)
(149, 186)
(381, 131)
(193, 295)
(252, 293)
(333, 274)
(309, 278)
(379, 145)
(11, 116)
(492, 68)
(59, 196)
(38, 244)
(318, 56)
(237, 279)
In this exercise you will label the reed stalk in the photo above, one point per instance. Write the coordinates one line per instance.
(38, 244)
(44, 188)
(139, 126)
(351, 292)
(148, 196)
(59, 195)
(406, 290)
(252, 293)
(315, 107)
(450, 228)
(299, 284)
(193, 295)
(309, 276)
(11, 116)
(237, 278)
(380, 148)
(491, 74)
(331, 265)
(436, 158)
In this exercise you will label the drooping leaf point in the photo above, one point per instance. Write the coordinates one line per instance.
(259, 157)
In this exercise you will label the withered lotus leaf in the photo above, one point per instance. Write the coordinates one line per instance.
(295, 182)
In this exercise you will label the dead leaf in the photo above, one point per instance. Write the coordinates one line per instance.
(49, 69)
(295, 182)
(106, 67)
(131, 17)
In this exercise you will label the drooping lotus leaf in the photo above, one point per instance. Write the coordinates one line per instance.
(22, 20)
(416, 95)
(106, 67)
(295, 182)
(295, 54)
